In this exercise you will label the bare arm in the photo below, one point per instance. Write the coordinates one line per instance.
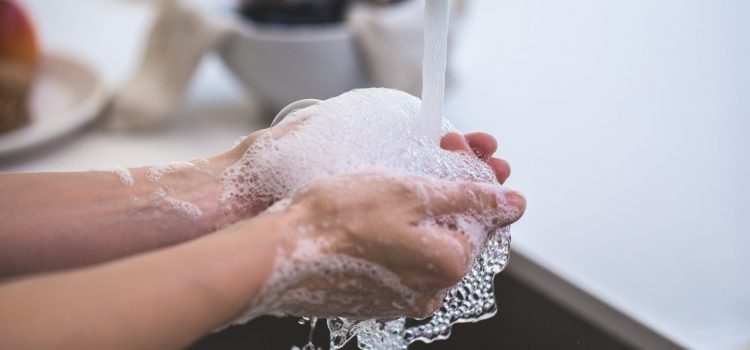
(53, 221)
(159, 300)
(61, 220)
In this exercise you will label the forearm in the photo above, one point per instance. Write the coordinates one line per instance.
(160, 300)
(59, 220)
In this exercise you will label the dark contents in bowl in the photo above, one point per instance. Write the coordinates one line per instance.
(292, 12)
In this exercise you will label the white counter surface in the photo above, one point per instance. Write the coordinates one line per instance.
(625, 122)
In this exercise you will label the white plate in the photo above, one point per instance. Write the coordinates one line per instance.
(66, 96)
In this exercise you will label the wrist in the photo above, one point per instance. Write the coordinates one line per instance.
(234, 207)
(191, 193)
(182, 198)
(248, 251)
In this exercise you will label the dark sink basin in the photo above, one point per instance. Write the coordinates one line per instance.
(526, 320)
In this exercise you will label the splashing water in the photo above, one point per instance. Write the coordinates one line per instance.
(309, 346)
(472, 300)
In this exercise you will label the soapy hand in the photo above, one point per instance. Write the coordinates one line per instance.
(480, 144)
(372, 245)
(377, 244)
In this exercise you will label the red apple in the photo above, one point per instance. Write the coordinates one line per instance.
(17, 38)
(19, 55)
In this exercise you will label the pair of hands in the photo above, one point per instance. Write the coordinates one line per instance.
(363, 246)
(374, 255)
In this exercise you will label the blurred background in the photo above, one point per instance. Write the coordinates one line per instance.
(625, 123)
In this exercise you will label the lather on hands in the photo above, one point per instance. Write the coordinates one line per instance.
(368, 220)
(366, 246)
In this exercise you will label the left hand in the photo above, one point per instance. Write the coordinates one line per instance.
(480, 144)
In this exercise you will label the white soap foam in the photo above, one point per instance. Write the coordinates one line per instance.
(155, 172)
(284, 290)
(164, 197)
(123, 174)
(359, 131)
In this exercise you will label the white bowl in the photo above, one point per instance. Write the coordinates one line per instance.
(285, 63)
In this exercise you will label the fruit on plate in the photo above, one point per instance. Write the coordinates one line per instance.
(19, 55)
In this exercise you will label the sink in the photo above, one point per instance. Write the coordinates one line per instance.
(526, 319)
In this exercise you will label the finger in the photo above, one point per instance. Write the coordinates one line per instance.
(448, 253)
(444, 253)
(483, 144)
(287, 126)
(276, 132)
(494, 203)
(241, 146)
(500, 167)
(455, 142)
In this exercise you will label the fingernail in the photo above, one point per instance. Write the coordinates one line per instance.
(516, 199)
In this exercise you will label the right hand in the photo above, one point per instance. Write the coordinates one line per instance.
(379, 246)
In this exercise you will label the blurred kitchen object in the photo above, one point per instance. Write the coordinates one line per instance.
(282, 50)
(67, 94)
(43, 95)
(290, 50)
(183, 31)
